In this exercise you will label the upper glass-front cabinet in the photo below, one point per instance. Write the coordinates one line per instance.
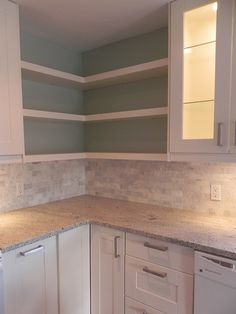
(201, 33)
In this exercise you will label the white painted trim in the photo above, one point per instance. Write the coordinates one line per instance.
(52, 115)
(118, 156)
(16, 159)
(127, 156)
(53, 157)
(139, 113)
(201, 157)
(134, 72)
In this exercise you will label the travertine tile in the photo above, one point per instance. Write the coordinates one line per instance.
(43, 182)
(176, 185)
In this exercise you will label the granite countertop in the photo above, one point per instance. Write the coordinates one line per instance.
(203, 232)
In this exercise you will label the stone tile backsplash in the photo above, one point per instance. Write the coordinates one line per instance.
(178, 185)
(42, 182)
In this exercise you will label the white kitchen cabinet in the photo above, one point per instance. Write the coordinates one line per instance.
(233, 89)
(11, 115)
(107, 271)
(74, 271)
(160, 252)
(30, 279)
(158, 276)
(165, 289)
(200, 76)
(134, 307)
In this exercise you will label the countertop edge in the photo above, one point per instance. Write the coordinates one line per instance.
(178, 241)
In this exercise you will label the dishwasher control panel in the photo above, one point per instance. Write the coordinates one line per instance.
(216, 268)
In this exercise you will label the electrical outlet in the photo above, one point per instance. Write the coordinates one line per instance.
(215, 192)
(19, 189)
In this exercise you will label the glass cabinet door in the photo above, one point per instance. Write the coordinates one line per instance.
(200, 75)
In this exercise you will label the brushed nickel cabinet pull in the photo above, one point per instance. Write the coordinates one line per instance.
(32, 251)
(220, 134)
(156, 247)
(234, 133)
(116, 247)
(155, 273)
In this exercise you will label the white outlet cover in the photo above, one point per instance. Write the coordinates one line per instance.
(215, 192)
(19, 189)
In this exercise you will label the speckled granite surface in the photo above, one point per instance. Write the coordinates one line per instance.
(199, 231)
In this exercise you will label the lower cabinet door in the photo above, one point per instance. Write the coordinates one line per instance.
(134, 307)
(164, 289)
(74, 271)
(107, 271)
(30, 279)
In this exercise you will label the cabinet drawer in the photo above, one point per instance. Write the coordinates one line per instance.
(161, 253)
(134, 307)
(162, 288)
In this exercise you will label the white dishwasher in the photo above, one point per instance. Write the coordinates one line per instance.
(1, 286)
(215, 285)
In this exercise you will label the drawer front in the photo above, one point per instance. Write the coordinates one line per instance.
(134, 307)
(162, 288)
(161, 253)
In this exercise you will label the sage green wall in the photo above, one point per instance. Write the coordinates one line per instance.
(149, 93)
(45, 136)
(127, 136)
(41, 96)
(146, 135)
(53, 137)
(41, 51)
(135, 50)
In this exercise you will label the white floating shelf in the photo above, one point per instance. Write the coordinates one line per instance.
(52, 115)
(135, 72)
(140, 113)
(131, 73)
(127, 156)
(36, 72)
(117, 156)
(53, 157)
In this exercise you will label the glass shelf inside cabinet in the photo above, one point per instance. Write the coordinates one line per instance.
(199, 72)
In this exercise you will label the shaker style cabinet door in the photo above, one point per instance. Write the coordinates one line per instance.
(30, 279)
(11, 117)
(74, 271)
(233, 90)
(201, 51)
(107, 271)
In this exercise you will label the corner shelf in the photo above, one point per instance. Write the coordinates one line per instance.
(127, 74)
(135, 72)
(140, 113)
(52, 115)
(53, 157)
(114, 156)
(127, 156)
(41, 73)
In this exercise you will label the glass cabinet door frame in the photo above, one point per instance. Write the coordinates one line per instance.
(220, 142)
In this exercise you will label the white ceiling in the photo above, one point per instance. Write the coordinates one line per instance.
(86, 24)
